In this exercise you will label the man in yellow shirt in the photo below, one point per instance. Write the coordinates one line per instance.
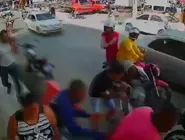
(128, 52)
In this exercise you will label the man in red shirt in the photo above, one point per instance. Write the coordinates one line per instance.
(110, 41)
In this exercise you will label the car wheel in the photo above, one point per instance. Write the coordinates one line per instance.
(175, 135)
(160, 31)
(128, 26)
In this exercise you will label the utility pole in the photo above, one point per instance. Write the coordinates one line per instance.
(134, 7)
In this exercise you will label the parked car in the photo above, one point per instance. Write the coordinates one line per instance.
(153, 23)
(168, 51)
(174, 23)
(43, 22)
(4, 11)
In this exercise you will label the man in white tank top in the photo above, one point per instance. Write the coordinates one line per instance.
(7, 63)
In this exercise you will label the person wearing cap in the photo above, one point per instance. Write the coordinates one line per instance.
(109, 41)
(33, 121)
(146, 124)
(66, 112)
(103, 90)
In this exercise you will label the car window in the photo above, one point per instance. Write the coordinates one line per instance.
(45, 16)
(85, 2)
(143, 17)
(170, 47)
(5, 9)
(156, 18)
(33, 17)
(158, 8)
(30, 17)
(172, 19)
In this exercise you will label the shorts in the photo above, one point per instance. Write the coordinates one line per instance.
(127, 64)
(100, 105)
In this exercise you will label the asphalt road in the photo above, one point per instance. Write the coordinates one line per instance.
(75, 53)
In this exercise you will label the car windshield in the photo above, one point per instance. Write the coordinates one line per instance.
(99, 2)
(159, 8)
(172, 19)
(45, 16)
(5, 9)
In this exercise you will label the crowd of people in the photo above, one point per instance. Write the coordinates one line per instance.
(37, 121)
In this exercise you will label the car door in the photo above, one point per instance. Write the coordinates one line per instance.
(156, 23)
(169, 55)
(141, 22)
(33, 22)
(28, 21)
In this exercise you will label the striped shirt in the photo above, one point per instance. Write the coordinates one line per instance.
(42, 130)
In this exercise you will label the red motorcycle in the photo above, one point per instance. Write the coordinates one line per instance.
(156, 89)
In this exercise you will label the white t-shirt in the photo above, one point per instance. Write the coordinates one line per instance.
(6, 55)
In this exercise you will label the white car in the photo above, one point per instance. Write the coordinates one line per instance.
(168, 51)
(43, 22)
(4, 11)
(152, 23)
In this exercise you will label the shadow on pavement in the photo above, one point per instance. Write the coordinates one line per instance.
(34, 82)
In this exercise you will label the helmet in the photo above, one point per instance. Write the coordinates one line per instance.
(134, 33)
(109, 24)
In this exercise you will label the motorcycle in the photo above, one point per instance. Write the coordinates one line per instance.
(178, 132)
(36, 63)
(156, 89)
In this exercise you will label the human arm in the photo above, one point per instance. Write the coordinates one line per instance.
(52, 118)
(138, 51)
(129, 47)
(12, 128)
(80, 112)
(66, 113)
(115, 39)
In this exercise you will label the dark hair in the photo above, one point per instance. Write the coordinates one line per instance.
(115, 67)
(2, 34)
(164, 117)
(76, 84)
(30, 99)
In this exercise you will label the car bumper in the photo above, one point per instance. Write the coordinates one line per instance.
(53, 30)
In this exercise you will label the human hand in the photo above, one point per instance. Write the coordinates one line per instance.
(106, 45)
(106, 94)
(122, 86)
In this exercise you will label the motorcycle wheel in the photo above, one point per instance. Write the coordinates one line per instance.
(175, 135)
